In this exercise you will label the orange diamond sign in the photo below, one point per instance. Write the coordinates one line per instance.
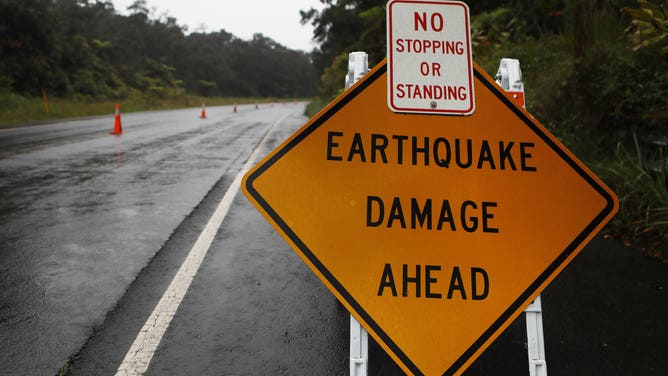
(434, 231)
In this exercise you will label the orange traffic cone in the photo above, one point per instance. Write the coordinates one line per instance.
(118, 130)
(235, 108)
(203, 115)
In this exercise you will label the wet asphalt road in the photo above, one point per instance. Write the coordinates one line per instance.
(94, 227)
(84, 211)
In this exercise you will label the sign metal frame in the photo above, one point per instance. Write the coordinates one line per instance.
(327, 277)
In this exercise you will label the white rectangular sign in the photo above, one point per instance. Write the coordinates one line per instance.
(430, 65)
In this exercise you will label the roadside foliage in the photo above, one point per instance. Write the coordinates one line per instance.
(86, 50)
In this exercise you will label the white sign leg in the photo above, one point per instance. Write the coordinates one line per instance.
(358, 65)
(535, 340)
(359, 348)
(509, 77)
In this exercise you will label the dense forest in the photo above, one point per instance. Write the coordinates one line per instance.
(596, 74)
(86, 49)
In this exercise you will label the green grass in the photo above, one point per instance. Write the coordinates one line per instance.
(314, 106)
(15, 109)
(642, 220)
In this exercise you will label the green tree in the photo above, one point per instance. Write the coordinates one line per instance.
(650, 24)
(85, 49)
(28, 55)
(345, 26)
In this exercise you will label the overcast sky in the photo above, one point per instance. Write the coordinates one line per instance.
(276, 19)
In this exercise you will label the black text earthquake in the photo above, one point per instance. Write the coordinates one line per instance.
(427, 151)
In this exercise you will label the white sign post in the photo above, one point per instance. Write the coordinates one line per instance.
(430, 66)
(358, 66)
(509, 77)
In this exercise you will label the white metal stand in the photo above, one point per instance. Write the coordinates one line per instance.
(358, 65)
(509, 77)
(359, 348)
(535, 339)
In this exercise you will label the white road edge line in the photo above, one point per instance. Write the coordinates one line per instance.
(139, 356)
